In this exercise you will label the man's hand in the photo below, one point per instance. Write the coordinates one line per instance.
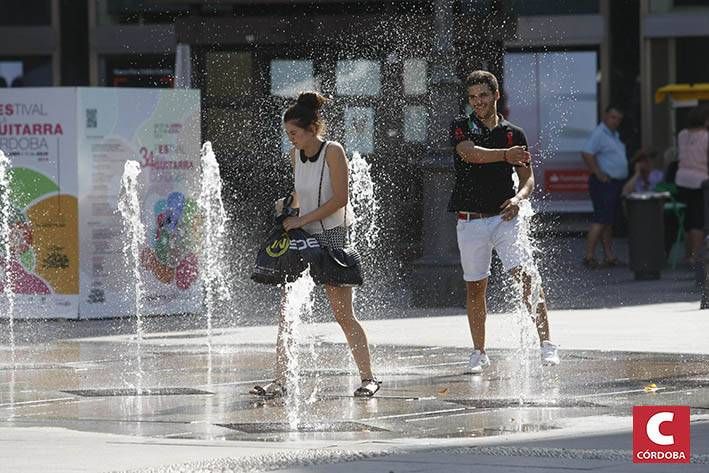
(510, 208)
(517, 155)
(291, 223)
(602, 176)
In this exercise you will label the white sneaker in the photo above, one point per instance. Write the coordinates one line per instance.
(550, 354)
(478, 362)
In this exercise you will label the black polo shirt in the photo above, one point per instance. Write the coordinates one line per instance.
(483, 187)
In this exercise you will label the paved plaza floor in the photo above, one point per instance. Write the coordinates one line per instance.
(88, 396)
(175, 398)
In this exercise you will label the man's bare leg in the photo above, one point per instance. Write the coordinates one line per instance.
(476, 306)
(608, 242)
(592, 239)
(541, 319)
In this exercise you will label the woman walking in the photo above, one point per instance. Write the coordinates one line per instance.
(322, 195)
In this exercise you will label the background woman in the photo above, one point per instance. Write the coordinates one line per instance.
(693, 157)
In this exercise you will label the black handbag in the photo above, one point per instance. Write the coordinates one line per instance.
(285, 255)
(339, 267)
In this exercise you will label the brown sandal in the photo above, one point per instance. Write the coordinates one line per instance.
(613, 262)
(590, 263)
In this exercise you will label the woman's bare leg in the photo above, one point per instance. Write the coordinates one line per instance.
(341, 302)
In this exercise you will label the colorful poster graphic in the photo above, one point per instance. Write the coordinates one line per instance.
(160, 129)
(173, 239)
(38, 134)
(68, 147)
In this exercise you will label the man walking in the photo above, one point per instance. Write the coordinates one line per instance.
(605, 157)
(488, 149)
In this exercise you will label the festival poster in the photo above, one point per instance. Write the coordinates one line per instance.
(38, 134)
(159, 128)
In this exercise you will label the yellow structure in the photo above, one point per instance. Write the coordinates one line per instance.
(680, 92)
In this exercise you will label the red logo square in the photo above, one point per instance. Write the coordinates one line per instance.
(661, 434)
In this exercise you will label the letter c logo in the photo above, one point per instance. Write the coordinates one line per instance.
(653, 428)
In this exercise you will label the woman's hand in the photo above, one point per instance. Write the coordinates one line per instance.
(291, 223)
(279, 205)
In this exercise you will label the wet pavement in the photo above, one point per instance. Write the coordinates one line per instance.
(84, 396)
(173, 387)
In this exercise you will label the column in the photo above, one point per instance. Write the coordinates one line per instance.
(437, 276)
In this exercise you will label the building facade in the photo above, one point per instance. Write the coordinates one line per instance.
(393, 70)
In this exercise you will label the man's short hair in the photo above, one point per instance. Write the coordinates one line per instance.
(482, 77)
(614, 107)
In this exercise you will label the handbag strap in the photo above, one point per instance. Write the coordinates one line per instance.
(322, 172)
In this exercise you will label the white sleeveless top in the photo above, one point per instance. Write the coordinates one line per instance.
(307, 184)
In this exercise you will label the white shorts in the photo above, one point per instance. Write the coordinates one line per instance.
(477, 238)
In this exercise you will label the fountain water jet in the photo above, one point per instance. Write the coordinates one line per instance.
(364, 201)
(525, 314)
(214, 272)
(365, 230)
(297, 304)
(6, 214)
(134, 242)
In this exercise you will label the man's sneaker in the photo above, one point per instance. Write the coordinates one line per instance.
(478, 362)
(550, 354)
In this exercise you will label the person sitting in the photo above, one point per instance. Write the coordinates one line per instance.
(645, 176)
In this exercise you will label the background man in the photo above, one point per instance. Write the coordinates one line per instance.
(487, 150)
(605, 157)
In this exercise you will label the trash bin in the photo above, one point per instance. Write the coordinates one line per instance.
(646, 233)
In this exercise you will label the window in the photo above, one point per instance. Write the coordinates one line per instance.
(27, 71)
(553, 97)
(359, 129)
(534, 7)
(358, 77)
(230, 130)
(10, 73)
(415, 81)
(229, 74)
(119, 12)
(26, 13)
(667, 6)
(291, 77)
(415, 76)
(145, 70)
(415, 123)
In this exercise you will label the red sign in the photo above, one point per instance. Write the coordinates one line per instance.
(566, 180)
(661, 434)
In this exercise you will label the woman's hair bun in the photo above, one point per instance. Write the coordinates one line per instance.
(311, 100)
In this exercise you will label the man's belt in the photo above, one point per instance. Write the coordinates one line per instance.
(473, 215)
